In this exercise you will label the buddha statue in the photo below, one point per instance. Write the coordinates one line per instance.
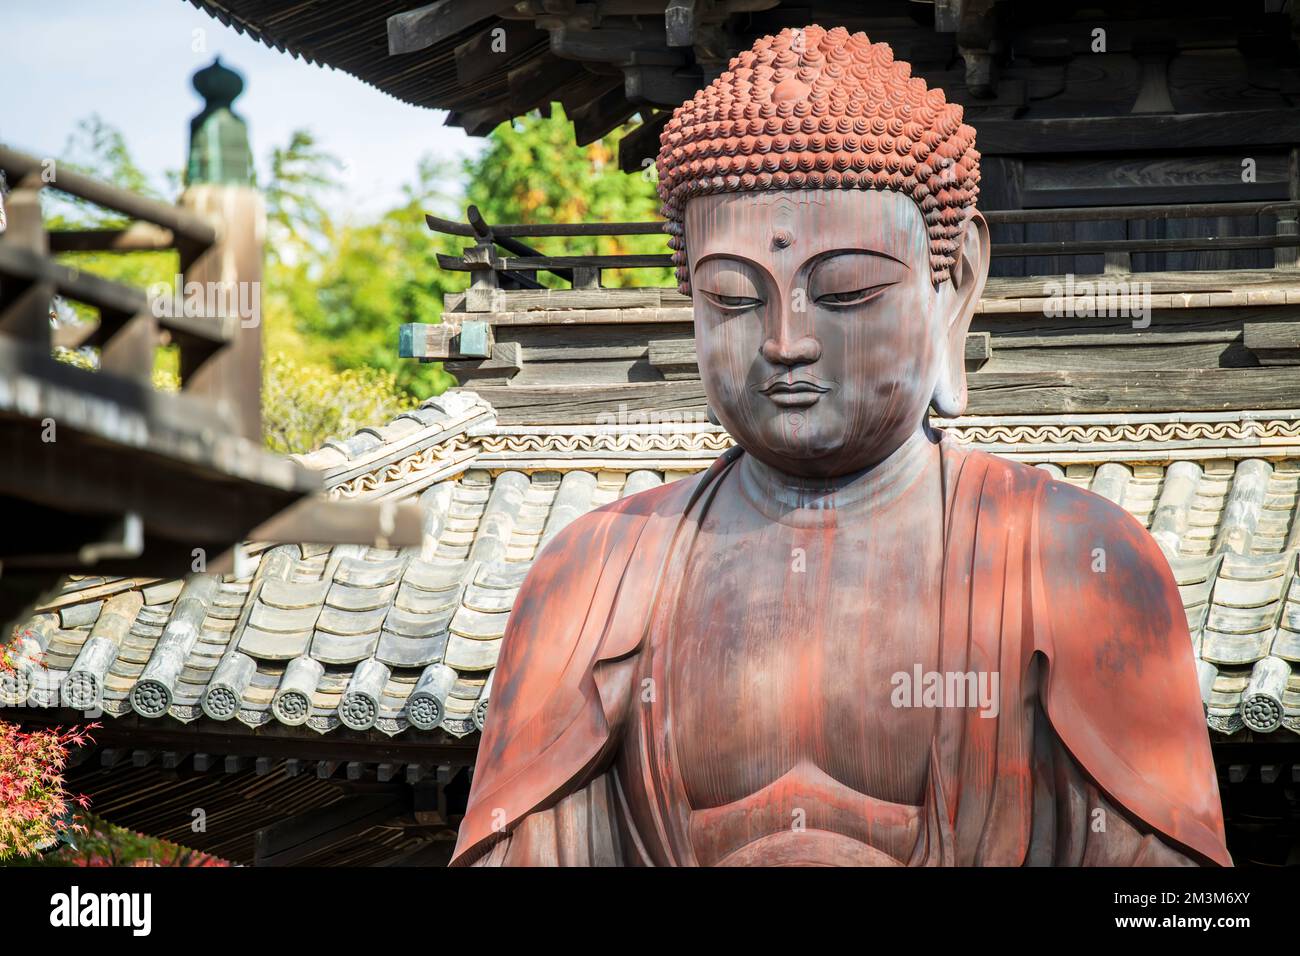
(850, 641)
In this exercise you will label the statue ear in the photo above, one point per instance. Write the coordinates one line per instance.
(968, 276)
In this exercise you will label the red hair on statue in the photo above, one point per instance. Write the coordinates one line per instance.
(821, 109)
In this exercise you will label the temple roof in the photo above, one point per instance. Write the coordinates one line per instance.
(486, 61)
(406, 641)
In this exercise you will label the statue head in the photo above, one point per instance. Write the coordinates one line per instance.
(821, 208)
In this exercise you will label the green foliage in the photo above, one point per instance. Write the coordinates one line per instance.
(303, 405)
(98, 149)
(533, 173)
(303, 180)
(348, 304)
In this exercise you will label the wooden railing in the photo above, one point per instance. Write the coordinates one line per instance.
(500, 259)
(128, 331)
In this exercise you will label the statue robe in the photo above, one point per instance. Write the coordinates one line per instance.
(1100, 708)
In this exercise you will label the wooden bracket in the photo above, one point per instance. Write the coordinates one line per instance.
(979, 349)
(445, 340)
(1273, 343)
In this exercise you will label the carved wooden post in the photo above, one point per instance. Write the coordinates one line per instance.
(28, 317)
(481, 294)
(229, 274)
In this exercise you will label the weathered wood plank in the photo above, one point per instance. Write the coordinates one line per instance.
(420, 29)
(480, 56)
(1003, 393)
(585, 405)
(542, 343)
(505, 363)
(1129, 356)
(524, 300)
(1139, 133)
(1273, 343)
(602, 371)
(618, 316)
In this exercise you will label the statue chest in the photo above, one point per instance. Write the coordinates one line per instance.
(781, 657)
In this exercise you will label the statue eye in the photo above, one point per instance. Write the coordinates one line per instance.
(732, 303)
(853, 297)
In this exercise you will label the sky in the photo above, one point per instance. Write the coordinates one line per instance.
(130, 61)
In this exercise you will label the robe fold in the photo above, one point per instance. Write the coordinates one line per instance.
(1058, 590)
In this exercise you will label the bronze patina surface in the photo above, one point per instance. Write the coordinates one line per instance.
(850, 642)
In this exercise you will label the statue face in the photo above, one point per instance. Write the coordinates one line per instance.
(821, 338)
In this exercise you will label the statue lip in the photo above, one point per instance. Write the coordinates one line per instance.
(790, 392)
(785, 383)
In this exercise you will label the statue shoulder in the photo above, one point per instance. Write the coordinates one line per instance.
(583, 546)
(1079, 534)
(1110, 556)
(1120, 684)
(548, 648)
(550, 719)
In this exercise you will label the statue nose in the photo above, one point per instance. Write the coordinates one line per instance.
(788, 350)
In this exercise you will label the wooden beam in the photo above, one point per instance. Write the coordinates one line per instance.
(600, 116)
(505, 363)
(422, 28)
(537, 80)
(183, 224)
(481, 121)
(1099, 134)
(118, 304)
(525, 263)
(947, 15)
(610, 45)
(138, 237)
(581, 93)
(1084, 247)
(659, 85)
(451, 227)
(680, 20)
(1273, 343)
(326, 521)
(30, 266)
(1155, 390)
(301, 836)
(487, 52)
